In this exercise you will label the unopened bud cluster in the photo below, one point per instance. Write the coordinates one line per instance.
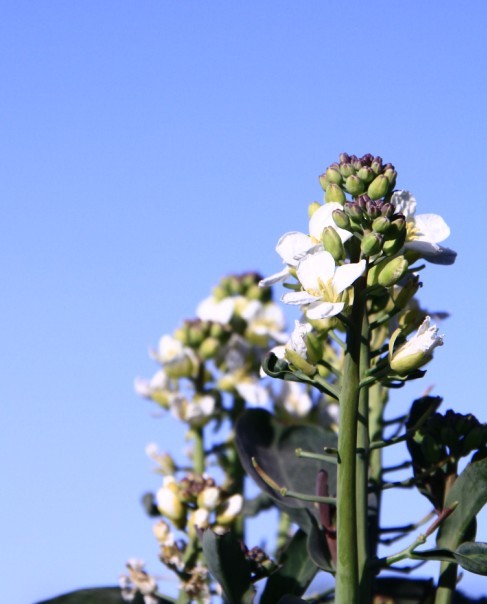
(357, 176)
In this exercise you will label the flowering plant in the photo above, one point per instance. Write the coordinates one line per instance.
(315, 436)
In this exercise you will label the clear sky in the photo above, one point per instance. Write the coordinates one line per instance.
(146, 149)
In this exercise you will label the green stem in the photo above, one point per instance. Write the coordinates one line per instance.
(363, 548)
(198, 451)
(447, 583)
(347, 576)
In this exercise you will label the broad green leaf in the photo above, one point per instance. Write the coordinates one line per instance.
(472, 557)
(470, 493)
(228, 565)
(273, 444)
(98, 595)
(295, 573)
(405, 591)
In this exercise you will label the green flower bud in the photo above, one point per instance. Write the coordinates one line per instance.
(407, 292)
(366, 174)
(323, 181)
(313, 207)
(475, 439)
(346, 170)
(430, 449)
(387, 210)
(371, 244)
(333, 243)
(391, 176)
(372, 210)
(344, 158)
(334, 193)
(297, 360)
(354, 185)
(354, 211)
(195, 335)
(333, 175)
(377, 165)
(209, 348)
(392, 271)
(341, 219)
(381, 225)
(417, 351)
(378, 187)
(393, 245)
(373, 275)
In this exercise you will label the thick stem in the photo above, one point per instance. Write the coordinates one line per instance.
(198, 451)
(447, 583)
(347, 575)
(363, 471)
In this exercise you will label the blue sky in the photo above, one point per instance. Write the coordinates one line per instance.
(148, 148)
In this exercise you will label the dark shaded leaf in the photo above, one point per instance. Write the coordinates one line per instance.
(291, 600)
(402, 590)
(228, 565)
(470, 493)
(295, 573)
(472, 557)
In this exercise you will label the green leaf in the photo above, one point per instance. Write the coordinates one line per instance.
(295, 573)
(470, 493)
(98, 595)
(228, 565)
(273, 444)
(472, 557)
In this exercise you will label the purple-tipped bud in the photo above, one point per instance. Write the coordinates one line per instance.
(372, 210)
(366, 174)
(371, 244)
(335, 193)
(346, 170)
(377, 165)
(323, 181)
(341, 219)
(354, 185)
(356, 163)
(344, 158)
(378, 187)
(333, 175)
(387, 210)
(354, 211)
(381, 225)
(391, 176)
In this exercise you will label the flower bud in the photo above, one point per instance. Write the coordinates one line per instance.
(341, 219)
(199, 519)
(332, 243)
(371, 244)
(354, 211)
(417, 351)
(354, 185)
(169, 502)
(230, 509)
(209, 348)
(313, 207)
(407, 292)
(387, 210)
(334, 193)
(377, 165)
(381, 225)
(378, 187)
(297, 360)
(391, 176)
(372, 210)
(393, 244)
(333, 175)
(366, 174)
(209, 498)
(344, 158)
(323, 181)
(392, 271)
(346, 170)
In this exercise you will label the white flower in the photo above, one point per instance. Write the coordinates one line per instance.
(265, 321)
(169, 502)
(195, 412)
(138, 580)
(178, 360)
(218, 311)
(230, 509)
(294, 246)
(323, 283)
(252, 391)
(417, 351)
(294, 399)
(424, 231)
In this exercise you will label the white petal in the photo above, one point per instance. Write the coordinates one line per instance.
(345, 275)
(298, 298)
(404, 202)
(434, 253)
(218, 311)
(314, 267)
(323, 310)
(253, 393)
(323, 218)
(275, 278)
(431, 227)
(292, 246)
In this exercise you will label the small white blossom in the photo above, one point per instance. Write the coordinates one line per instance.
(294, 399)
(418, 350)
(218, 311)
(230, 509)
(424, 231)
(195, 412)
(323, 283)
